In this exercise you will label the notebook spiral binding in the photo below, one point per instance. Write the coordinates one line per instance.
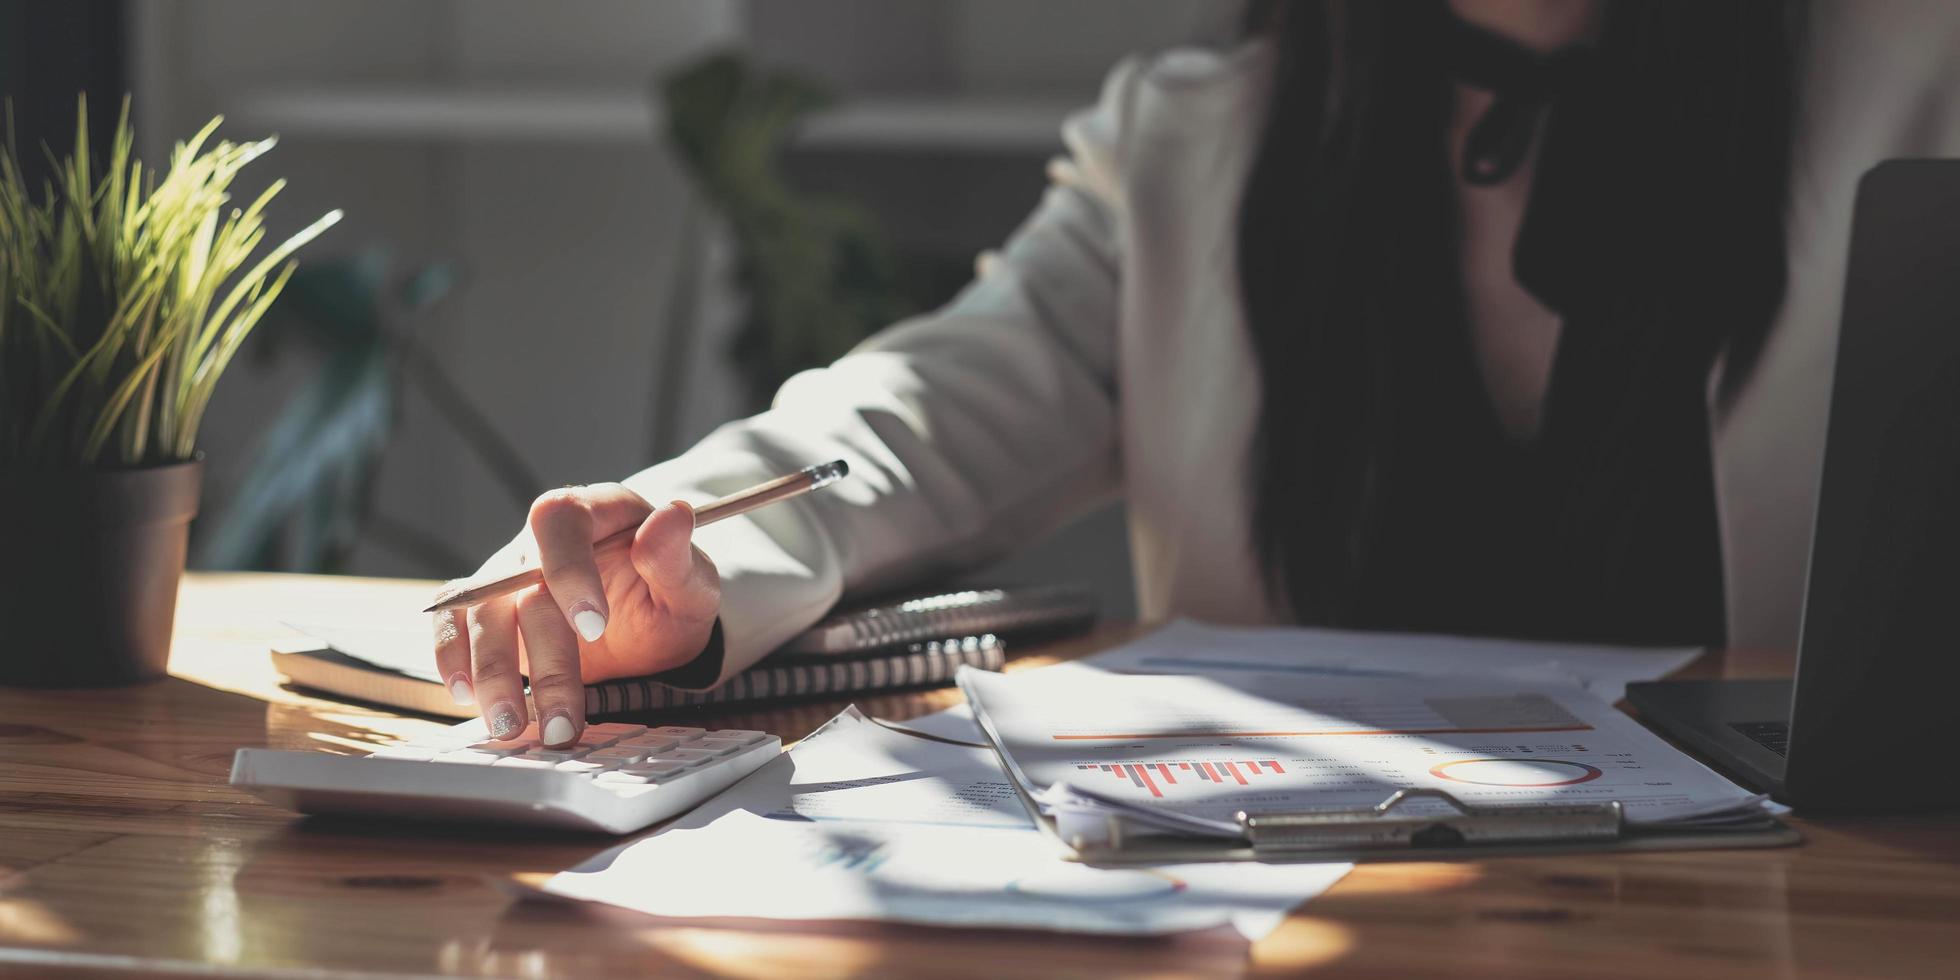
(932, 662)
(969, 612)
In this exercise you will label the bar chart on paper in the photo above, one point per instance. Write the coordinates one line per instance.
(1159, 777)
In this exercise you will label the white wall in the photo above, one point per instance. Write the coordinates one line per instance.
(570, 238)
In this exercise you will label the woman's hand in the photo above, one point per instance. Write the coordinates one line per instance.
(602, 612)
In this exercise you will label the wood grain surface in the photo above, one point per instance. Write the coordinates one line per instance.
(123, 851)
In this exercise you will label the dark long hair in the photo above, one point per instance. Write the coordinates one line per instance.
(1677, 180)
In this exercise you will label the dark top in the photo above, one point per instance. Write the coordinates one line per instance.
(1604, 526)
(1482, 535)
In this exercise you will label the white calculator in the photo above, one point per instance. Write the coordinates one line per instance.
(617, 778)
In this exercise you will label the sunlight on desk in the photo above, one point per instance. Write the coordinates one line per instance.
(1398, 878)
(716, 950)
(222, 929)
(1304, 942)
(33, 922)
(121, 843)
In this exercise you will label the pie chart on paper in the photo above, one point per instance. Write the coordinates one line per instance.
(1516, 773)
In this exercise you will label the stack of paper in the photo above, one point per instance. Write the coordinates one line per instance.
(1177, 732)
(1248, 728)
(861, 821)
(1253, 656)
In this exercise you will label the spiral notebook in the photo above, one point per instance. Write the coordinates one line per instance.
(392, 667)
(912, 642)
(933, 662)
(971, 612)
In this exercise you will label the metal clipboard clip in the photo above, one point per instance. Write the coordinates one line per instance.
(1380, 827)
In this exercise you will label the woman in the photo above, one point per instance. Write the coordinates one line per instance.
(1452, 316)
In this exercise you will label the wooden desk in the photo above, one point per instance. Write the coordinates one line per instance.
(122, 849)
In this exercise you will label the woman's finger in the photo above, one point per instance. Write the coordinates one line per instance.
(686, 583)
(493, 662)
(453, 655)
(552, 650)
(663, 548)
(564, 524)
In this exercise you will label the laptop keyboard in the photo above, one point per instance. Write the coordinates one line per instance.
(1772, 735)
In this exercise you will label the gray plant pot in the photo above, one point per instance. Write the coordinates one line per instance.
(89, 565)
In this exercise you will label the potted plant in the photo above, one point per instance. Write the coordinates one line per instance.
(124, 293)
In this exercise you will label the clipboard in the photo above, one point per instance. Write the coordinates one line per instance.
(1385, 832)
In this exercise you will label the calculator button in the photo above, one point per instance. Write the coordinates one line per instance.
(687, 756)
(654, 768)
(657, 772)
(522, 762)
(406, 753)
(651, 743)
(742, 735)
(718, 746)
(680, 733)
(469, 757)
(497, 748)
(618, 753)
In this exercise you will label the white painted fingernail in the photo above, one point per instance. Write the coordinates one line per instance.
(591, 624)
(459, 689)
(558, 730)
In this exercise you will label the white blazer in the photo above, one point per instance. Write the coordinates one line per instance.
(1101, 352)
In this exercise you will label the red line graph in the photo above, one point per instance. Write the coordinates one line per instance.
(1156, 776)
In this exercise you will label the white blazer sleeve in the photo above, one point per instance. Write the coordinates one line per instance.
(968, 431)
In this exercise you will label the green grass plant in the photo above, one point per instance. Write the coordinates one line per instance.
(124, 294)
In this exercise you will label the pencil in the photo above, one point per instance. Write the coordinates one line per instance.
(469, 592)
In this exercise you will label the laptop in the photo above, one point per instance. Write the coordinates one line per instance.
(1863, 726)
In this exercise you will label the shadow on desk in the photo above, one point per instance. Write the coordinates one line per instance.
(769, 947)
(445, 877)
(167, 728)
(445, 899)
(1927, 839)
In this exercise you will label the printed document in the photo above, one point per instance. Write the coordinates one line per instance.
(1186, 754)
(1254, 655)
(861, 821)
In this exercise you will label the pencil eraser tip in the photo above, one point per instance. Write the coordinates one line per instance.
(824, 474)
